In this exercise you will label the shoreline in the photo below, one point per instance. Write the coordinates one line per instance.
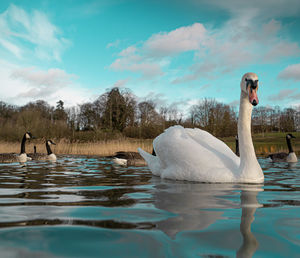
(263, 145)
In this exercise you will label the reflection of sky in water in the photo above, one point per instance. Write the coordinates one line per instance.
(83, 207)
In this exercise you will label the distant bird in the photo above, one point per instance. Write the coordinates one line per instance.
(13, 157)
(42, 156)
(283, 156)
(129, 158)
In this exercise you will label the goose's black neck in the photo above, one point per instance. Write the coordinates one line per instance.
(289, 144)
(23, 144)
(48, 148)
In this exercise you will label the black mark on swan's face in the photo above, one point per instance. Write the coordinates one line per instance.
(253, 84)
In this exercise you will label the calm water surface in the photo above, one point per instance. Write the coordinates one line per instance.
(87, 207)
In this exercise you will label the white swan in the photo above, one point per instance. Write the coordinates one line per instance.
(196, 155)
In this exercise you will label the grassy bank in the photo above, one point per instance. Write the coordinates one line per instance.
(267, 143)
(264, 144)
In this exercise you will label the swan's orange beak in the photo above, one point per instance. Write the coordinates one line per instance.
(252, 93)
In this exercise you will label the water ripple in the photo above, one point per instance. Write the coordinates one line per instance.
(86, 206)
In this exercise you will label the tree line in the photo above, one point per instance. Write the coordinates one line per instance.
(118, 113)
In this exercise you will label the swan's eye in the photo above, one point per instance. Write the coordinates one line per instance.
(251, 83)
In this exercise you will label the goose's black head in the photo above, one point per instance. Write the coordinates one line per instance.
(290, 136)
(28, 135)
(49, 142)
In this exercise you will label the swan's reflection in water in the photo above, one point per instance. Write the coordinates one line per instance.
(249, 205)
(197, 206)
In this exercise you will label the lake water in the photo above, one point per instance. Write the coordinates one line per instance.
(87, 207)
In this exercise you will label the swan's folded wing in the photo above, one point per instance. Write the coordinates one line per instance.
(181, 153)
(212, 143)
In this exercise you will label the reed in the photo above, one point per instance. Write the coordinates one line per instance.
(101, 148)
(263, 146)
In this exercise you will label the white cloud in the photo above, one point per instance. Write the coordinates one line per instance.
(130, 61)
(18, 26)
(52, 77)
(21, 85)
(239, 42)
(113, 44)
(292, 72)
(41, 84)
(177, 41)
(158, 98)
(121, 83)
(286, 94)
(282, 49)
(149, 59)
(266, 9)
(11, 47)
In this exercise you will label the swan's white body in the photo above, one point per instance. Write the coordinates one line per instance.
(196, 155)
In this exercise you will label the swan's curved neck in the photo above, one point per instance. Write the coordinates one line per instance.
(249, 167)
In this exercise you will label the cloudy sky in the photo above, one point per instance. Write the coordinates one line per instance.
(172, 51)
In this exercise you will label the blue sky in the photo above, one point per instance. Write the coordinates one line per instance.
(170, 51)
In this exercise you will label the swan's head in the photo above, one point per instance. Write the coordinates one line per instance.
(249, 85)
(49, 142)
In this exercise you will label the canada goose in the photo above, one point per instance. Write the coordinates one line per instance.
(129, 158)
(283, 156)
(42, 156)
(13, 157)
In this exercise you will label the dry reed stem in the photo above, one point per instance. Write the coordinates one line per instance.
(104, 148)
(107, 148)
